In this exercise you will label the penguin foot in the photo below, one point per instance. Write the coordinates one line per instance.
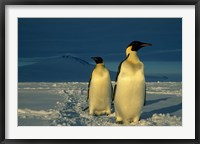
(137, 122)
(91, 113)
(108, 113)
(136, 119)
(119, 122)
(98, 113)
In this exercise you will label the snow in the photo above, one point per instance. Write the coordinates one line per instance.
(62, 104)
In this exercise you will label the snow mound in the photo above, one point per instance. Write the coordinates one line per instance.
(39, 114)
(166, 88)
(162, 120)
(58, 69)
(75, 59)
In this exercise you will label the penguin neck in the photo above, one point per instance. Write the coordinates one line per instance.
(100, 65)
(132, 57)
(128, 50)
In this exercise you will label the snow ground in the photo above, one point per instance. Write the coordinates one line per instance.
(62, 104)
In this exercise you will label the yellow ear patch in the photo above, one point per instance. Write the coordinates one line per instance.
(128, 50)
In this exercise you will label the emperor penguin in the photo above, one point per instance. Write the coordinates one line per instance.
(100, 91)
(130, 93)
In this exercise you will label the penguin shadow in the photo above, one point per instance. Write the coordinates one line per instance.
(149, 102)
(164, 110)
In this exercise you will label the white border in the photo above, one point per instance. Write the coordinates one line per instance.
(187, 131)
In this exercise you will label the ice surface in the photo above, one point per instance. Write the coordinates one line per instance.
(62, 104)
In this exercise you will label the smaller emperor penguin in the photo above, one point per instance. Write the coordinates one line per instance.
(100, 91)
(130, 93)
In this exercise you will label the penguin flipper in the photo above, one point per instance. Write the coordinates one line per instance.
(114, 92)
(88, 89)
(85, 108)
(145, 95)
(112, 96)
(87, 95)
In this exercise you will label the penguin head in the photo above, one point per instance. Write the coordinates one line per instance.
(135, 46)
(98, 60)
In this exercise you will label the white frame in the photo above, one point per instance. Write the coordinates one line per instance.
(186, 131)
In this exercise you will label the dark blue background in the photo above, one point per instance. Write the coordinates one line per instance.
(105, 37)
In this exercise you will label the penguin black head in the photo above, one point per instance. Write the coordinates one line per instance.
(136, 45)
(98, 60)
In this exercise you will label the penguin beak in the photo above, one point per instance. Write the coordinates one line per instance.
(97, 59)
(145, 44)
(94, 58)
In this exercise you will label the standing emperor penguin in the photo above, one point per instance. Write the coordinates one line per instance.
(100, 91)
(130, 93)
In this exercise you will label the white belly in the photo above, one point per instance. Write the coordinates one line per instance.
(100, 93)
(130, 94)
